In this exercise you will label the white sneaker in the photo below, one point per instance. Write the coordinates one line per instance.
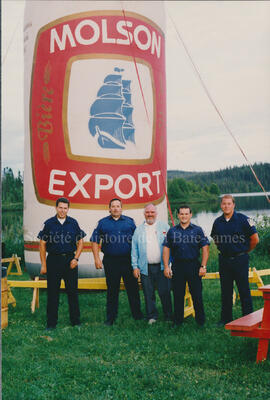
(151, 321)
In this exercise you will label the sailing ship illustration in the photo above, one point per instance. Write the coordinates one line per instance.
(111, 113)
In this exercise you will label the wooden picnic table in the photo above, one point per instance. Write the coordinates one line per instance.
(256, 325)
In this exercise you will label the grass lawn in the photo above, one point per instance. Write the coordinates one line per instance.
(129, 360)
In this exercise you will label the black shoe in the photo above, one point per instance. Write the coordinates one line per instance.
(50, 328)
(109, 322)
(200, 326)
(221, 324)
(176, 324)
(139, 317)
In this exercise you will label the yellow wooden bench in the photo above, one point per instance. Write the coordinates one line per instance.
(100, 284)
(14, 260)
(87, 284)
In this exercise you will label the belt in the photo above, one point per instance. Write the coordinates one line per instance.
(61, 254)
(234, 256)
(154, 264)
(117, 255)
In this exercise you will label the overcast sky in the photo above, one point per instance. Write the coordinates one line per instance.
(230, 44)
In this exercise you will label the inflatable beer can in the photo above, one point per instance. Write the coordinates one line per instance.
(95, 114)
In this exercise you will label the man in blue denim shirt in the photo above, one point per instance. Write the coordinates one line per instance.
(185, 241)
(146, 258)
(115, 234)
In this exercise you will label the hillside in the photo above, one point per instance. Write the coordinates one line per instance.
(231, 179)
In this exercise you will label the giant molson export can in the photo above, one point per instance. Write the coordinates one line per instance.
(95, 113)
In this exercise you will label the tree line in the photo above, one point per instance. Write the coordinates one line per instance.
(12, 189)
(183, 190)
(228, 180)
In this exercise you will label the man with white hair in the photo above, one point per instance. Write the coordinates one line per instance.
(146, 258)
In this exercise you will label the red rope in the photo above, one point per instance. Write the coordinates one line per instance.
(146, 111)
(136, 67)
(167, 199)
(217, 110)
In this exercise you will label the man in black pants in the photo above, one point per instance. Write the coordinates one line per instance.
(185, 241)
(62, 238)
(235, 236)
(115, 232)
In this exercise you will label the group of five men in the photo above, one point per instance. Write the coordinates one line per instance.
(160, 256)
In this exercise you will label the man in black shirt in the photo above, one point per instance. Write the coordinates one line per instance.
(235, 236)
(115, 232)
(62, 238)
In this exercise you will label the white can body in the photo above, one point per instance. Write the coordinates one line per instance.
(95, 107)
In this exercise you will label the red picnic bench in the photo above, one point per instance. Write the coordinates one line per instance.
(256, 325)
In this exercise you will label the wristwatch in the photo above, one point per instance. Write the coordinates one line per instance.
(74, 258)
(203, 266)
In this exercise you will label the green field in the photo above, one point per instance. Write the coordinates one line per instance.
(129, 360)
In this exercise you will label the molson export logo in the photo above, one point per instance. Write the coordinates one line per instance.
(98, 110)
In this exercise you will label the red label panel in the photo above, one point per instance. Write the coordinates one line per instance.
(93, 180)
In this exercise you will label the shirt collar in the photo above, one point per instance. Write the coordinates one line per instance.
(120, 218)
(232, 217)
(184, 229)
(67, 220)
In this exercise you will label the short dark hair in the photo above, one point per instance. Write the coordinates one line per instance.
(116, 199)
(228, 196)
(62, 200)
(184, 206)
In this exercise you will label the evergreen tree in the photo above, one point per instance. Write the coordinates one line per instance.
(173, 189)
(12, 188)
(213, 189)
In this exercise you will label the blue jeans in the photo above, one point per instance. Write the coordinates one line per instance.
(156, 277)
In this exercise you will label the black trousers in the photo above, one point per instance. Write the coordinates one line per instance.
(230, 270)
(187, 271)
(58, 267)
(116, 267)
(156, 278)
